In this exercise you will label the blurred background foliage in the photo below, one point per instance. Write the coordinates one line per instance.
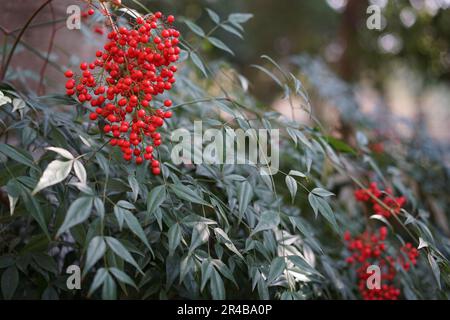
(414, 33)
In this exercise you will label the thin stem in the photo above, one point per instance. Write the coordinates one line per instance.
(11, 53)
(41, 88)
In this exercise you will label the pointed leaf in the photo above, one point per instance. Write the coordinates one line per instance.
(62, 152)
(55, 172)
(95, 252)
(121, 251)
(78, 212)
(10, 280)
(268, 220)
(174, 236)
(155, 198)
(292, 186)
(80, 171)
(245, 194)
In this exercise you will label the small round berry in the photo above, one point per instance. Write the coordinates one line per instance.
(170, 19)
(141, 113)
(155, 163)
(69, 73)
(149, 149)
(168, 114)
(93, 116)
(122, 102)
(165, 33)
(156, 171)
(167, 103)
(91, 12)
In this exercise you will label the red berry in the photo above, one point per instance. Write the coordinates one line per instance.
(141, 113)
(168, 114)
(170, 19)
(68, 73)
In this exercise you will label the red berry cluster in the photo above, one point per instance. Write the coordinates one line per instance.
(135, 65)
(371, 249)
(372, 194)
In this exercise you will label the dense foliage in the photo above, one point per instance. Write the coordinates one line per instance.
(212, 231)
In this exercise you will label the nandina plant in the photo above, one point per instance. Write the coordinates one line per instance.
(76, 193)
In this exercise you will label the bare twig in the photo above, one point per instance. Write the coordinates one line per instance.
(16, 42)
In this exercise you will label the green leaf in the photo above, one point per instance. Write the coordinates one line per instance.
(269, 73)
(195, 28)
(55, 172)
(134, 225)
(224, 270)
(80, 171)
(155, 198)
(122, 277)
(78, 212)
(245, 194)
(186, 265)
(95, 252)
(126, 205)
(206, 269)
(33, 207)
(186, 193)
(102, 162)
(320, 205)
(134, 185)
(46, 262)
(297, 174)
(223, 237)
(276, 269)
(231, 30)
(13, 190)
(213, 15)
(99, 207)
(10, 280)
(292, 186)
(340, 145)
(240, 17)
(300, 263)
(216, 285)
(200, 235)
(119, 213)
(99, 278)
(322, 192)
(198, 62)
(17, 155)
(220, 44)
(267, 221)
(174, 236)
(62, 152)
(28, 136)
(122, 252)
(435, 269)
(109, 289)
